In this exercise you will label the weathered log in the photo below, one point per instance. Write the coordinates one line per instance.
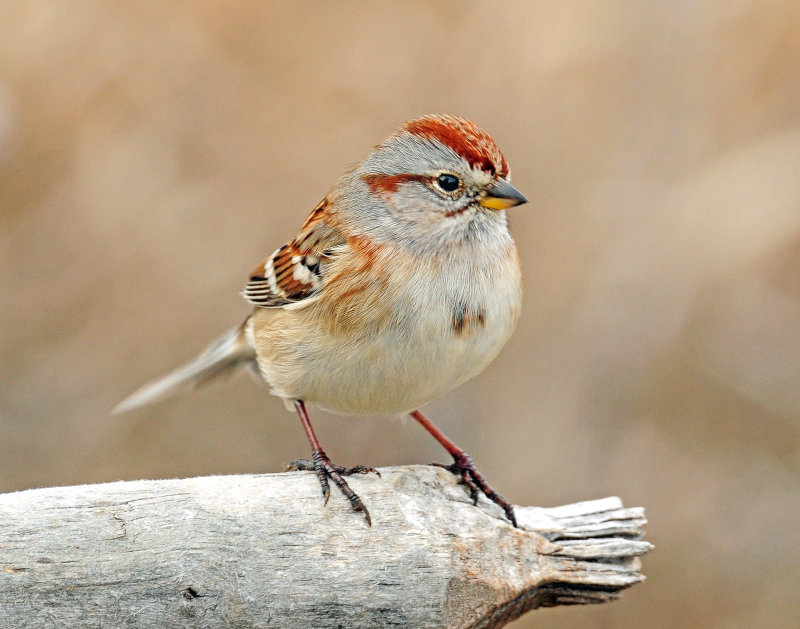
(263, 551)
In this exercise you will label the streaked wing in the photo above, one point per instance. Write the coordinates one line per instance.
(295, 273)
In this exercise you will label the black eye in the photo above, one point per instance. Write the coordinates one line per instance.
(448, 183)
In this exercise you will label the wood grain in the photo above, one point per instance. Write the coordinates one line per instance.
(263, 551)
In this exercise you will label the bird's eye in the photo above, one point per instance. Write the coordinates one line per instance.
(448, 183)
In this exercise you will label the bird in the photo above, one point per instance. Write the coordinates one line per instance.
(403, 283)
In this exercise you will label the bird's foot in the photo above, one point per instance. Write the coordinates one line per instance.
(465, 469)
(324, 469)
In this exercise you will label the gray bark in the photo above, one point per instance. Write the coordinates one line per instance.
(263, 551)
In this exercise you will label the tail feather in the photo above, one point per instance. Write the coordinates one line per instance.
(226, 355)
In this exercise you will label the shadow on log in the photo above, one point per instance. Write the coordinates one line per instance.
(262, 551)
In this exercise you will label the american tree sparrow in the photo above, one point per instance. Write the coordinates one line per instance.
(403, 283)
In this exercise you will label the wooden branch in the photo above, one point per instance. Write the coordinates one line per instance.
(262, 551)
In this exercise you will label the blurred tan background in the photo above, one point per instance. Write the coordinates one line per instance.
(151, 153)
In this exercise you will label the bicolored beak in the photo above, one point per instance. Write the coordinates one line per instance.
(502, 196)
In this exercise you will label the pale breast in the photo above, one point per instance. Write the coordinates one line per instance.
(391, 337)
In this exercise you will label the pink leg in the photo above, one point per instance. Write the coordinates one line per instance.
(464, 467)
(324, 469)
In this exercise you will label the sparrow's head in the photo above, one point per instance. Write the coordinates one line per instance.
(436, 179)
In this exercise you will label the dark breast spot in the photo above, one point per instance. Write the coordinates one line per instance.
(467, 318)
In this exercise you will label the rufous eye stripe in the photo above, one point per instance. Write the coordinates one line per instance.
(385, 184)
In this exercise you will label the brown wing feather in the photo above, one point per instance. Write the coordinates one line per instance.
(296, 271)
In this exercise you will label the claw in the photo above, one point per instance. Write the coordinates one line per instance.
(465, 469)
(473, 488)
(468, 474)
(324, 469)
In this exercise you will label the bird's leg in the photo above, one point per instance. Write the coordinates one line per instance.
(464, 468)
(324, 469)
